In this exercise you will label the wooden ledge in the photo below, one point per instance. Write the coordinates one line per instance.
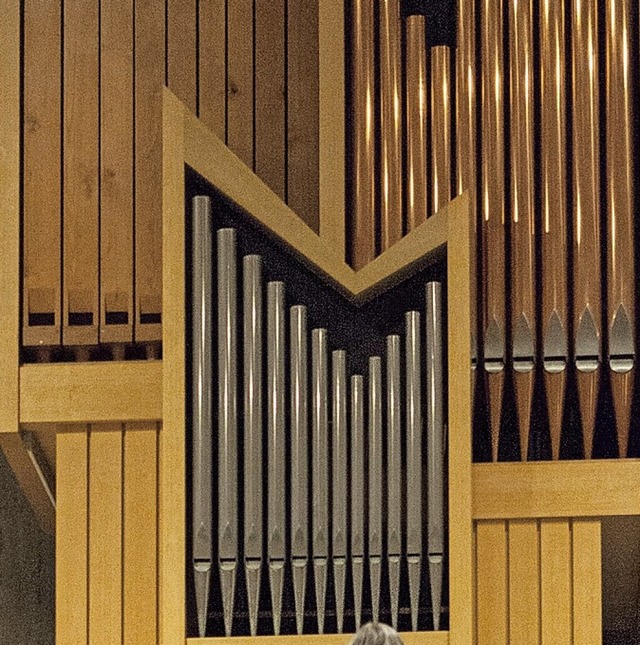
(409, 638)
(91, 392)
(589, 488)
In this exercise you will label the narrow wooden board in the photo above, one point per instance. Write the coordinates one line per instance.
(116, 172)
(182, 73)
(524, 582)
(409, 638)
(492, 584)
(9, 205)
(556, 489)
(80, 176)
(212, 66)
(240, 69)
(72, 478)
(555, 582)
(41, 172)
(587, 582)
(149, 80)
(303, 105)
(270, 94)
(105, 535)
(139, 516)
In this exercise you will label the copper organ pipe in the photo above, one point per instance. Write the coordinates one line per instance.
(586, 211)
(493, 209)
(554, 212)
(620, 213)
(522, 211)
(390, 123)
(416, 120)
(440, 127)
(362, 133)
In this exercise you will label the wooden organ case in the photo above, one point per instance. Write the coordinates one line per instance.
(370, 146)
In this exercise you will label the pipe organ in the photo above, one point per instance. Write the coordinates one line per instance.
(306, 428)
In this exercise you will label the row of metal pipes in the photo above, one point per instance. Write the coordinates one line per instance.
(357, 422)
(540, 122)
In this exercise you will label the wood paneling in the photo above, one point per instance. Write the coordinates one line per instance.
(271, 94)
(41, 177)
(181, 51)
(116, 171)
(587, 581)
(80, 173)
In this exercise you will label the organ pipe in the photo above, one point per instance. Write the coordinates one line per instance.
(357, 491)
(440, 127)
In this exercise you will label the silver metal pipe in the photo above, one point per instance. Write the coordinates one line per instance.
(339, 478)
(202, 405)
(276, 443)
(299, 463)
(320, 469)
(227, 420)
(414, 459)
(394, 472)
(435, 444)
(252, 335)
(357, 491)
(375, 480)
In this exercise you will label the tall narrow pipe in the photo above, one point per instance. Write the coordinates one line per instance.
(227, 420)
(522, 210)
(493, 209)
(435, 444)
(416, 120)
(299, 457)
(339, 478)
(202, 404)
(390, 86)
(553, 240)
(375, 481)
(465, 106)
(586, 210)
(620, 123)
(414, 459)
(394, 471)
(363, 237)
(276, 443)
(440, 127)
(320, 468)
(357, 491)
(253, 492)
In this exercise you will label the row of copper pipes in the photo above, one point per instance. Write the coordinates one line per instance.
(534, 113)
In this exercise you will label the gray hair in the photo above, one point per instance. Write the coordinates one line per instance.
(376, 634)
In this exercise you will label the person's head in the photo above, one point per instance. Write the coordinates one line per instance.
(376, 634)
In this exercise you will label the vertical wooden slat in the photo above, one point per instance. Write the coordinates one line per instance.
(524, 582)
(240, 69)
(139, 516)
(41, 173)
(116, 172)
(182, 74)
(303, 110)
(555, 582)
(492, 587)
(105, 535)
(149, 79)
(270, 94)
(80, 180)
(212, 73)
(72, 472)
(587, 582)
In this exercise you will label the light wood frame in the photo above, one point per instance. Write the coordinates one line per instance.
(187, 142)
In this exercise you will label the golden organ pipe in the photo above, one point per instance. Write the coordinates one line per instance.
(586, 211)
(440, 127)
(620, 213)
(390, 123)
(493, 209)
(554, 212)
(363, 135)
(522, 211)
(416, 120)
